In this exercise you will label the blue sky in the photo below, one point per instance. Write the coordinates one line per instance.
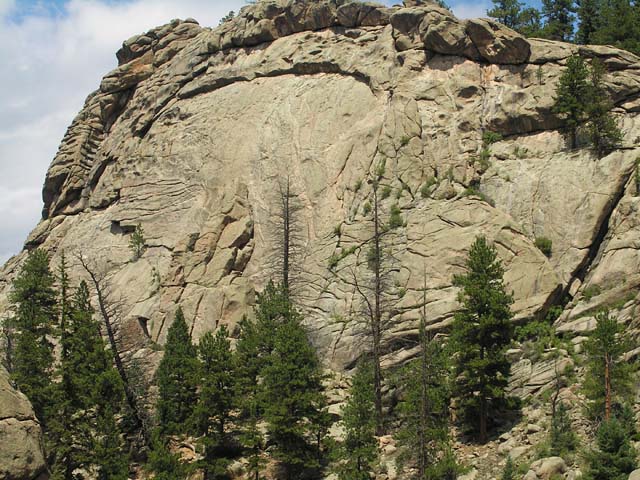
(54, 53)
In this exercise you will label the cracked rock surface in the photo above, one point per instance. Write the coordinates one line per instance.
(192, 132)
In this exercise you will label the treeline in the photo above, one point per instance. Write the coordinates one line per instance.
(599, 22)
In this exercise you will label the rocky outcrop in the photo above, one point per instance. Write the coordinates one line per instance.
(21, 450)
(193, 131)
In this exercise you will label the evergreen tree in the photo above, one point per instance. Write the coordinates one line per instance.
(559, 19)
(482, 331)
(215, 399)
(618, 24)
(177, 379)
(571, 94)
(137, 242)
(358, 454)
(604, 133)
(614, 458)
(34, 302)
(424, 411)
(563, 440)
(163, 463)
(507, 12)
(588, 20)
(608, 379)
(509, 472)
(292, 397)
(90, 394)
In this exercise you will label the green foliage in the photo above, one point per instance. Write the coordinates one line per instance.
(614, 458)
(520, 152)
(177, 379)
(473, 191)
(366, 208)
(293, 396)
(489, 137)
(395, 217)
(512, 14)
(602, 128)
(582, 98)
(571, 94)
(614, 23)
(385, 192)
(229, 16)
(545, 245)
(559, 19)
(137, 242)
(336, 258)
(562, 438)
(89, 395)
(591, 291)
(358, 454)
(424, 413)
(482, 332)
(34, 307)
(538, 335)
(215, 399)
(165, 464)
(510, 470)
(604, 349)
(357, 186)
(637, 176)
(425, 190)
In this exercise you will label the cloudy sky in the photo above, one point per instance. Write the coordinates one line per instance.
(53, 53)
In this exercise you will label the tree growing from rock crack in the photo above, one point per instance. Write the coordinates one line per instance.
(481, 334)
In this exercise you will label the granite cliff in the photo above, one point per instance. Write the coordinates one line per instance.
(191, 134)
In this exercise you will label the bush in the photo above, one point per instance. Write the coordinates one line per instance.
(544, 244)
(474, 192)
(426, 188)
(386, 192)
(366, 209)
(137, 242)
(591, 291)
(395, 220)
(489, 138)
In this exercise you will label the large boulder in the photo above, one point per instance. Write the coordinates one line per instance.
(21, 448)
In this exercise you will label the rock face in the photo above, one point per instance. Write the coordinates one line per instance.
(191, 136)
(21, 451)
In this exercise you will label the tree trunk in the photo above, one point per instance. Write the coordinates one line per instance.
(377, 314)
(607, 387)
(286, 233)
(483, 420)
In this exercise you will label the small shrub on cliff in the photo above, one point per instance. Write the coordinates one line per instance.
(137, 242)
(544, 244)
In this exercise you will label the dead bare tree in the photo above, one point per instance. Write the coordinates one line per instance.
(372, 283)
(110, 311)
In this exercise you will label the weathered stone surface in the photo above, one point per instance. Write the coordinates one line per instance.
(546, 468)
(21, 450)
(192, 132)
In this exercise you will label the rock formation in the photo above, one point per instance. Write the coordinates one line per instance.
(192, 132)
(21, 450)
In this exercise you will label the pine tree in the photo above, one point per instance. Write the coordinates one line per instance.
(358, 454)
(215, 399)
(165, 464)
(137, 242)
(34, 302)
(563, 440)
(507, 12)
(177, 379)
(89, 395)
(618, 24)
(608, 379)
(482, 331)
(588, 20)
(559, 19)
(571, 93)
(603, 130)
(509, 472)
(614, 458)
(293, 394)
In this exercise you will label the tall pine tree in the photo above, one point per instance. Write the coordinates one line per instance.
(358, 454)
(482, 332)
(293, 395)
(571, 94)
(559, 19)
(35, 316)
(177, 379)
(608, 380)
(215, 400)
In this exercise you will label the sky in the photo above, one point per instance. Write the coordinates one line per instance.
(53, 53)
